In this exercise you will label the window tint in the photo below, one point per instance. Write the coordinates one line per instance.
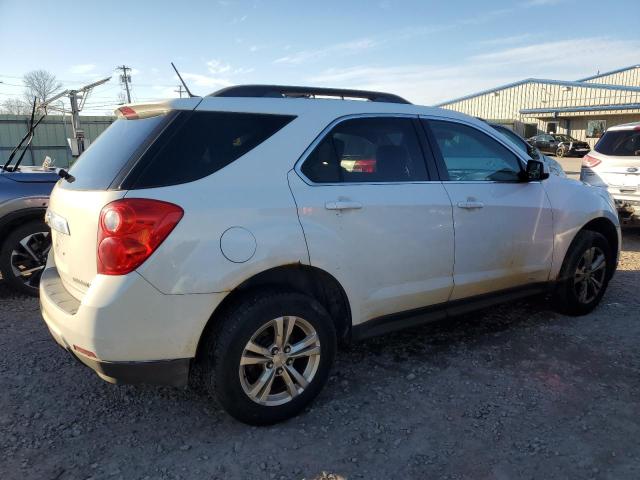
(623, 143)
(518, 141)
(198, 144)
(384, 149)
(96, 168)
(470, 155)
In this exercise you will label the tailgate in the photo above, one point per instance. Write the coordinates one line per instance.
(621, 174)
(75, 252)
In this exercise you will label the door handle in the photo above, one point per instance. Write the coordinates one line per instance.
(343, 205)
(470, 205)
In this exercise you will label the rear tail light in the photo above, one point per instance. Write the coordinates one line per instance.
(589, 162)
(130, 230)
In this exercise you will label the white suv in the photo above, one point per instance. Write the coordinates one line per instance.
(614, 164)
(237, 239)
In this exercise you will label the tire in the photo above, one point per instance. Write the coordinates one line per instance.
(254, 318)
(560, 152)
(569, 297)
(14, 258)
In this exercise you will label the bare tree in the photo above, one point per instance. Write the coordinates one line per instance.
(15, 106)
(41, 85)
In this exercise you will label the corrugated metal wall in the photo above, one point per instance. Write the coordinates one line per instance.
(50, 138)
(505, 105)
(628, 78)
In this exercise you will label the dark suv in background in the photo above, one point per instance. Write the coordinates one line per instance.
(559, 145)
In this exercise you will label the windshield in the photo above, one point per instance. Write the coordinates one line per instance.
(621, 143)
(96, 168)
(565, 138)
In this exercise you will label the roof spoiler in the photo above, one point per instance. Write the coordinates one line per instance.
(286, 91)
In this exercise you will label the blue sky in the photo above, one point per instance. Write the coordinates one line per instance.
(427, 51)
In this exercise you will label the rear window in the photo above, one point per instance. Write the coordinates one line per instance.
(198, 144)
(621, 143)
(96, 168)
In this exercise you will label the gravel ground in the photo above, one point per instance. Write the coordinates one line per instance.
(516, 392)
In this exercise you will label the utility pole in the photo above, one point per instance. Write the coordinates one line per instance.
(180, 90)
(125, 78)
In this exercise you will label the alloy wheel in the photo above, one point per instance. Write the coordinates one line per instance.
(280, 361)
(28, 258)
(589, 277)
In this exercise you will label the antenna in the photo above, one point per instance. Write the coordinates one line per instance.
(182, 81)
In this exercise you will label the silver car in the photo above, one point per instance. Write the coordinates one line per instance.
(614, 163)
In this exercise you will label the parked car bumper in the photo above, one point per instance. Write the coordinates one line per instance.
(122, 339)
(579, 151)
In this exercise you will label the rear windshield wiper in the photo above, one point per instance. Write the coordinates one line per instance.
(28, 137)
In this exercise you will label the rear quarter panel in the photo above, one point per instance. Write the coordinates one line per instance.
(252, 193)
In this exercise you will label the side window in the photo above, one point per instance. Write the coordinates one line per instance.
(384, 149)
(201, 143)
(471, 155)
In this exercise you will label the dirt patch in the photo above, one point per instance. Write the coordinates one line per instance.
(517, 392)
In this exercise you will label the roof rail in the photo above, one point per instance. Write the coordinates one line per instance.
(283, 91)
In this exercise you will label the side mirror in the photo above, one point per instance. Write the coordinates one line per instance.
(535, 171)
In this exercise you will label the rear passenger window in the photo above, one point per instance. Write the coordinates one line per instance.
(384, 149)
(621, 143)
(471, 155)
(198, 144)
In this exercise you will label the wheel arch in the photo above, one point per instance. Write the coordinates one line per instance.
(306, 279)
(19, 217)
(606, 228)
(603, 226)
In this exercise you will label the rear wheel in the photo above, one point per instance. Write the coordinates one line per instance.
(269, 356)
(585, 274)
(23, 256)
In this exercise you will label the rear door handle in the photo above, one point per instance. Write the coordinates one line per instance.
(470, 205)
(343, 205)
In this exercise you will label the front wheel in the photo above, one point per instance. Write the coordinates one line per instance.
(561, 152)
(269, 355)
(585, 274)
(23, 256)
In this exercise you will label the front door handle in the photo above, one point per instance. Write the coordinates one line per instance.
(470, 205)
(343, 205)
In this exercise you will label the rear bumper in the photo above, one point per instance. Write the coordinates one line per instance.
(578, 151)
(174, 372)
(628, 209)
(137, 334)
(160, 372)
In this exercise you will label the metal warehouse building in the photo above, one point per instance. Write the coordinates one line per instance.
(50, 138)
(582, 108)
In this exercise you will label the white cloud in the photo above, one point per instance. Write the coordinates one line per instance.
(82, 69)
(540, 3)
(220, 75)
(430, 83)
(346, 48)
(504, 41)
(216, 67)
(551, 55)
(200, 80)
